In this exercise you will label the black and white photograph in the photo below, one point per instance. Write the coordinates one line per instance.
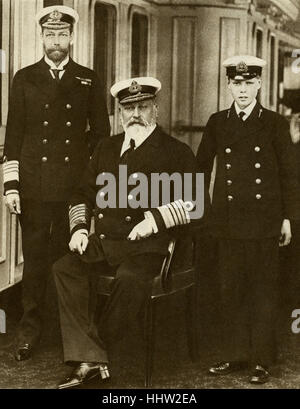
(149, 197)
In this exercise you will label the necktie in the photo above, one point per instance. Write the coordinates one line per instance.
(241, 115)
(56, 74)
(125, 155)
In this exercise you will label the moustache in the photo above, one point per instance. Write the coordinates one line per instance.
(51, 50)
(135, 122)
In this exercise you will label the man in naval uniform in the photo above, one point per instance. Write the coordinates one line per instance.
(56, 117)
(129, 241)
(255, 196)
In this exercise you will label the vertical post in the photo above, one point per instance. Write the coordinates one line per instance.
(2, 62)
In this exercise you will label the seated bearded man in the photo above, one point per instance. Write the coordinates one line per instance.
(129, 240)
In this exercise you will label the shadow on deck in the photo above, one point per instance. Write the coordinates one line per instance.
(172, 367)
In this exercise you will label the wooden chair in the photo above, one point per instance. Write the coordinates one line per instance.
(169, 281)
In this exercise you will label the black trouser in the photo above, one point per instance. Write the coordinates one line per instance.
(290, 270)
(45, 237)
(76, 289)
(248, 272)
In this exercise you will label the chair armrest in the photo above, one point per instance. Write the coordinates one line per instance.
(165, 271)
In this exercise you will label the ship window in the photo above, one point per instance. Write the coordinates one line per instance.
(139, 45)
(48, 3)
(259, 43)
(105, 49)
(272, 69)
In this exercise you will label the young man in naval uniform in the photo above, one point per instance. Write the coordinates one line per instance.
(128, 240)
(255, 196)
(57, 115)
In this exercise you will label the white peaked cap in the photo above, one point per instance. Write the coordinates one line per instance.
(135, 89)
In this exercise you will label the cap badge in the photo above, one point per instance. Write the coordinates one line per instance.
(241, 67)
(55, 15)
(135, 88)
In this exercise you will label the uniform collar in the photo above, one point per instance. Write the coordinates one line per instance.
(53, 66)
(248, 110)
(138, 141)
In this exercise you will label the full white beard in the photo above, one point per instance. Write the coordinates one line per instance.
(137, 131)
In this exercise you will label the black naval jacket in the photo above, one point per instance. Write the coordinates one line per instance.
(159, 153)
(47, 128)
(256, 178)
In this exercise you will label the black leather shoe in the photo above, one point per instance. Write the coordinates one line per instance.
(83, 373)
(225, 368)
(23, 352)
(260, 375)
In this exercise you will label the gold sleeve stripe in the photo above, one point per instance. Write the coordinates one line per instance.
(167, 216)
(11, 171)
(175, 214)
(176, 217)
(177, 206)
(78, 214)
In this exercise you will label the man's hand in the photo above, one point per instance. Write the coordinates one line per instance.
(12, 201)
(141, 231)
(294, 128)
(286, 233)
(79, 242)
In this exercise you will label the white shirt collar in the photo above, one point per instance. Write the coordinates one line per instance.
(247, 110)
(61, 65)
(137, 141)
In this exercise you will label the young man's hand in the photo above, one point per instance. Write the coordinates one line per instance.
(79, 241)
(286, 233)
(12, 201)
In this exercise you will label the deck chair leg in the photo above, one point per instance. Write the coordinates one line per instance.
(149, 341)
(191, 322)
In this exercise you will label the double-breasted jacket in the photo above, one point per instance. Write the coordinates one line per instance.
(52, 129)
(255, 184)
(159, 153)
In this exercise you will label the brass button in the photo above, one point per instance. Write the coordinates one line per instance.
(45, 141)
(69, 123)
(44, 159)
(258, 181)
(229, 182)
(100, 216)
(102, 236)
(228, 150)
(258, 196)
(257, 148)
(67, 159)
(67, 141)
(47, 106)
(257, 165)
(228, 166)
(128, 218)
(68, 106)
(229, 198)
(46, 123)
